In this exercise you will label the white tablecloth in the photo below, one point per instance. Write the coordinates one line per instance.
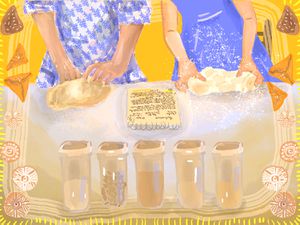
(247, 118)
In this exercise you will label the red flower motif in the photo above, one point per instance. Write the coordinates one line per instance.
(289, 151)
(10, 151)
(283, 205)
(16, 205)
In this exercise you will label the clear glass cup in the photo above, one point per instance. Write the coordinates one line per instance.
(75, 165)
(189, 159)
(149, 162)
(112, 158)
(228, 165)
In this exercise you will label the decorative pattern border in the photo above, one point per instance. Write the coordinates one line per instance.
(263, 219)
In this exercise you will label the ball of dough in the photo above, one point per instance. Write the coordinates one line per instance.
(221, 81)
(76, 93)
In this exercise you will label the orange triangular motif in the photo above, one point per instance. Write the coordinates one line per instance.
(284, 70)
(288, 22)
(19, 58)
(19, 84)
(278, 96)
(11, 22)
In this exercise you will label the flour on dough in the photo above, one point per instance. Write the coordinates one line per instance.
(220, 81)
(76, 93)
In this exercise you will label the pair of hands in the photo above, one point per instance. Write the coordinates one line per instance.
(187, 69)
(102, 72)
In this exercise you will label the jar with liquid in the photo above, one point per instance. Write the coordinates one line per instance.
(189, 159)
(112, 158)
(149, 162)
(228, 166)
(75, 167)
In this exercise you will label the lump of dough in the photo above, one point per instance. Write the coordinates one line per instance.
(76, 93)
(226, 87)
(248, 82)
(221, 81)
(198, 86)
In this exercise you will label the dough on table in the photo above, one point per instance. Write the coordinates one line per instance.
(220, 81)
(76, 93)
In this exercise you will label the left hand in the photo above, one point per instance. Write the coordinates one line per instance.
(186, 70)
(248, 65)
(104, 72)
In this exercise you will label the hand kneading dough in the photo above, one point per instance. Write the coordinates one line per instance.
(76, 93)
(220, 81)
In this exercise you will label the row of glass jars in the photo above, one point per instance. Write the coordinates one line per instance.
(149, 162)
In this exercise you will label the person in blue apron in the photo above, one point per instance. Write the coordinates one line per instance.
(219, 34)
(92, 37)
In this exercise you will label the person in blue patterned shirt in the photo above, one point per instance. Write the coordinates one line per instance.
(89, 38)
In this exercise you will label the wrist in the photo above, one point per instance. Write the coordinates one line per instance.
(183, 59)
(59, 57)
(246, 59)
(247, 56)
(121, 60)
(120, 66)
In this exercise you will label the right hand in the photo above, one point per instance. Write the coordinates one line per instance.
(186, 70)
(248, 65)
(66, 70)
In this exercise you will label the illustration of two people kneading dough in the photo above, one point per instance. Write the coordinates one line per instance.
(97, 39)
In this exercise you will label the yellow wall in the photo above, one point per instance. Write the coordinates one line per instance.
(152, 54)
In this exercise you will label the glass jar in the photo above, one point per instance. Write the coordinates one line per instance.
(112, 158)
(149, 163)
(228, 165)
(75, 165)
(189, 159)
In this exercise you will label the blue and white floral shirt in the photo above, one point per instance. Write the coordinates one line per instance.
(89, 31)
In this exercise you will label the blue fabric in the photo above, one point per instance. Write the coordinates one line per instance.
(212, 33)
(89, 31)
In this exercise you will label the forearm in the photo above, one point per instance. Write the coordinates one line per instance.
(129, 35)
(47, 27)
(247, 12)
(175, 44)
(172, 36)
(249, 34)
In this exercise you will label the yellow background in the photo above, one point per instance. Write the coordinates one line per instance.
(152, 54)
